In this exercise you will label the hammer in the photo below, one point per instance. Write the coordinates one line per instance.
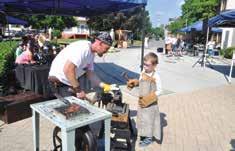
(125, 76)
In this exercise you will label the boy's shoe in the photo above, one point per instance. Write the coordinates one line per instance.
(145, 142)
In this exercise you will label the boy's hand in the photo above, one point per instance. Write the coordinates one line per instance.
(131, 83)
(147, 100)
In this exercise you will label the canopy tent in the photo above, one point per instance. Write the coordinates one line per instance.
(198, 26)
(13, 20)
(224, 19)
(84, 8)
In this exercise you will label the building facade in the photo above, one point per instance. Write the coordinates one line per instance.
(228, 34)
(81, 31)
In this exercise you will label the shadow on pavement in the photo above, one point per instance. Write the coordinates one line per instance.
(163, 124)
(112, 73)
(224, 69)
(232, 144)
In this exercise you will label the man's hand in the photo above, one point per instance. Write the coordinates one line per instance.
(131, 83)
(81, 95)
(107, 87)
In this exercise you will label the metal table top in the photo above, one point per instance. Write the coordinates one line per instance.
(46, 109)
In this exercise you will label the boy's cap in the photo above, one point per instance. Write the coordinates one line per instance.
(106, 38)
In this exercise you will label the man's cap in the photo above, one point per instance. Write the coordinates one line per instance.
(105, 38)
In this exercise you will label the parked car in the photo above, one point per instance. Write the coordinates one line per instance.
(8, 34)
(20, 33)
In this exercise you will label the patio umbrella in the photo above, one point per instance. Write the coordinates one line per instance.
(224, 19)
(198, 26)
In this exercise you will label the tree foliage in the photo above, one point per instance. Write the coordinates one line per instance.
(176, 25)
(194, 10)
(131, 20)
(158, 32)
(44, 21)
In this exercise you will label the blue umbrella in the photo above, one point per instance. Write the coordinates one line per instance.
(198, 26)
(185, 29)
(224, 19)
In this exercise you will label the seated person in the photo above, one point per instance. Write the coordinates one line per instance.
(26, 57)
(19, 49)
(210, 46)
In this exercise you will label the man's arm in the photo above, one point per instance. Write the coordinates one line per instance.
(69, 71)
(94, 78)
(97, 82)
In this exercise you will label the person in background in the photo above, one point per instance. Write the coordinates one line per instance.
(168, 44)
(146, 42)
(19, 49)
(210, 47)
(179, 46)
(26, 57)
(174, 44)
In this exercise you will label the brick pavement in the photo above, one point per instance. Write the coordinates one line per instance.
(201, 120)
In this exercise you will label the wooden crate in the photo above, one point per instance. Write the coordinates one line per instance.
(17, 107)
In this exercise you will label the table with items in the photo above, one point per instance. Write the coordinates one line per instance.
(34, 77)
(68, 126)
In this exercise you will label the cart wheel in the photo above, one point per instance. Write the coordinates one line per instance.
(57, 143)
(85, 140)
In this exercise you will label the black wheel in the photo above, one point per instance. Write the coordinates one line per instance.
(57, 143)
(85, 140)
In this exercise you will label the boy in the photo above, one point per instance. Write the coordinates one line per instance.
(148, 116)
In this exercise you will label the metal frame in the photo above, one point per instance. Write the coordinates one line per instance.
(68, 127)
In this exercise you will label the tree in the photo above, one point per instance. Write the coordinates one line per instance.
(176, 25)
(131, 20)
(195, 10)
(158, 32)
(44, 21)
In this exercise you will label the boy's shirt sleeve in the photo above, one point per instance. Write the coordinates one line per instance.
(158, 84)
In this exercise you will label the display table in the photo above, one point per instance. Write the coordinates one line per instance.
(34, 78)
(68, 127)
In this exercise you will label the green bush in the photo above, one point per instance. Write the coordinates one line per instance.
(221, 52)
(228, 52)
(56, 33)
(7, 58)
